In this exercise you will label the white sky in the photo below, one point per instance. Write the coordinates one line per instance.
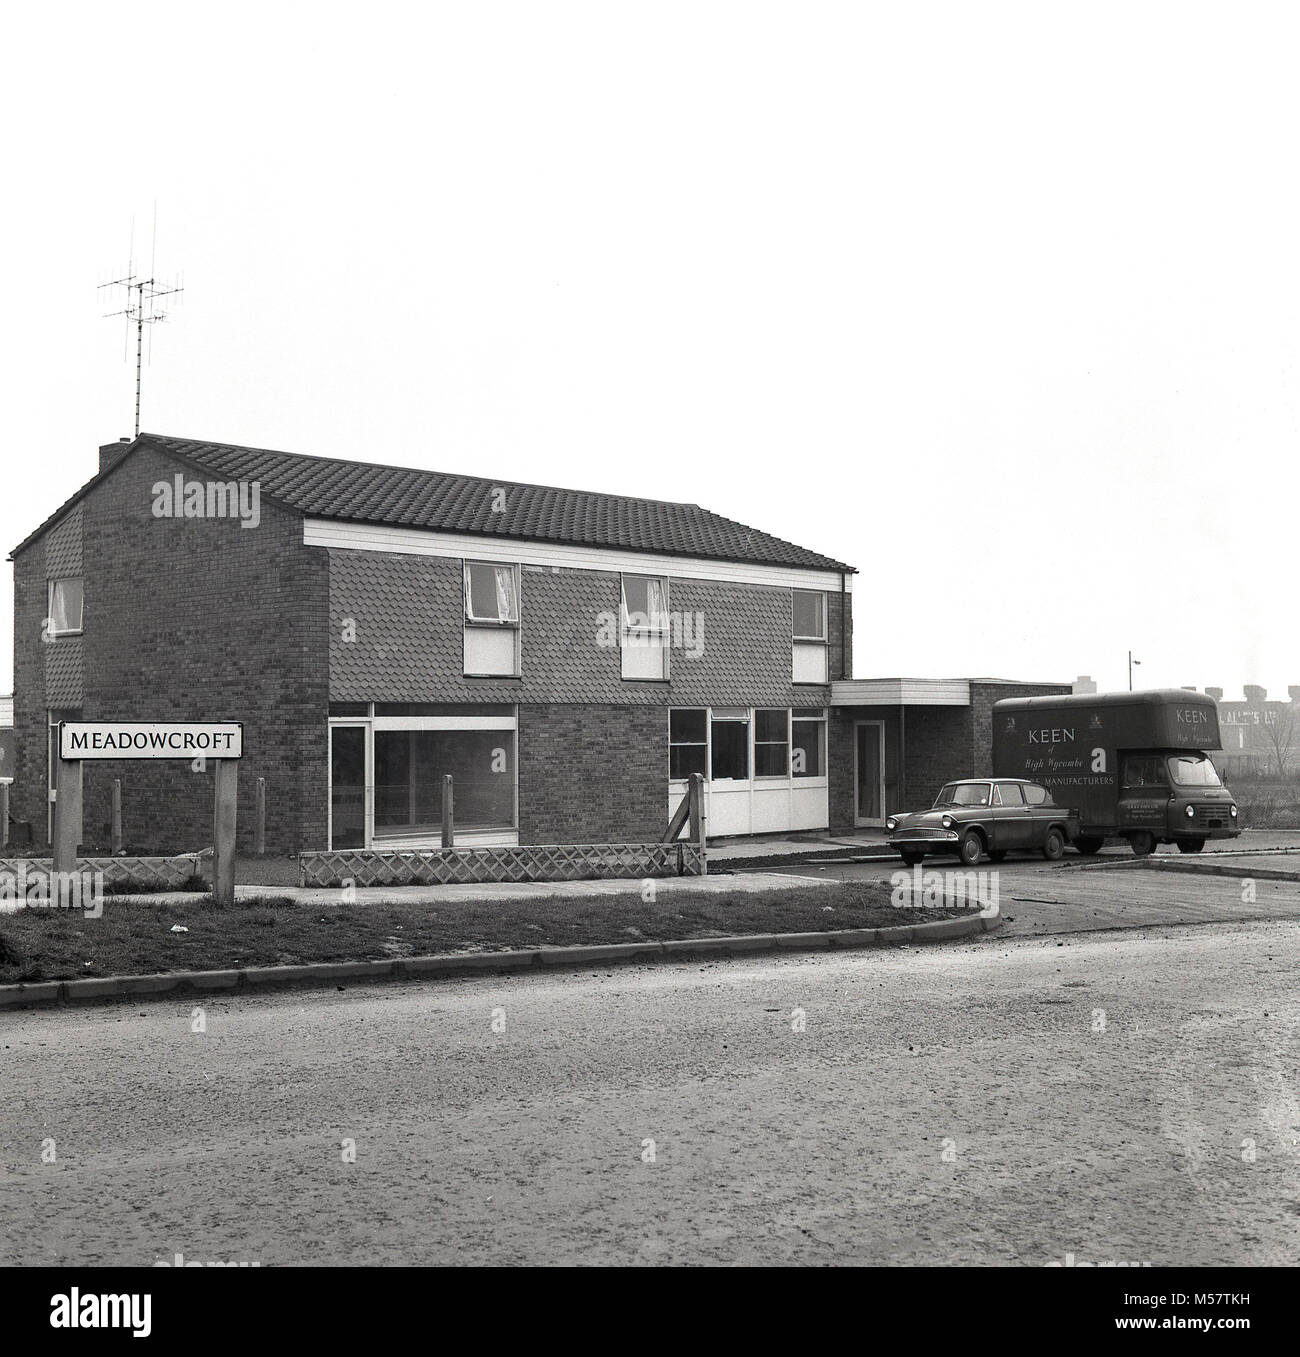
(999, 303)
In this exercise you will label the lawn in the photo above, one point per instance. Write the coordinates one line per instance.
(136, 937)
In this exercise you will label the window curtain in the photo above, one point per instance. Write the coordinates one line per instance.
(656, 605)
(59, 608)
(65, 605)
(507, 598)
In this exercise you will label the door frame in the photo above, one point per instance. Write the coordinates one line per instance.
(363, 724)
(858, 820)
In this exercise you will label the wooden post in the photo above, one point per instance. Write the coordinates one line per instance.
(696, 795)
(4, 812)
(259, 827)
(223, 831)
(448, 821)
(67, 815)
(117, 816)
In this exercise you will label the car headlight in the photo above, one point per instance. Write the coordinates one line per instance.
(1191, 810)
(1232, 810)
(891, 824)
(947, 822)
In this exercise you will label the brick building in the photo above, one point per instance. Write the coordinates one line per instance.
(1261, 738)
(569, 658)
(905, 737)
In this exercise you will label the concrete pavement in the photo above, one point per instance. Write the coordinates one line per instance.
(508, 890)
(1009, 1101)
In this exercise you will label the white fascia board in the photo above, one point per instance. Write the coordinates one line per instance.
(456, 723)
(900, 693)
(341, 536)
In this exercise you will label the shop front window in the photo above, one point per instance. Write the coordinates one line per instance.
(409, 769)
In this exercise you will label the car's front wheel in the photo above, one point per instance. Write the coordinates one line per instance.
(1054, 845)
(911, 859)
(971, 847)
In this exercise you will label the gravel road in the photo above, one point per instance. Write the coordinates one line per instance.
(1112, 1095)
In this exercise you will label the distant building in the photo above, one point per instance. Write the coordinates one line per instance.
(6, 736)
(1261, 738)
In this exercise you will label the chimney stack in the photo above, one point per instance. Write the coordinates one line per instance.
(1255, 694)
(110, 452)
(1215, 693)
(1294, 693)
(1084, 684)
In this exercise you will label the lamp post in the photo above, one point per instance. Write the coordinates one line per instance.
(1131, 663)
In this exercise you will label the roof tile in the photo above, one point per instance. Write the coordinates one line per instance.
(404, 497)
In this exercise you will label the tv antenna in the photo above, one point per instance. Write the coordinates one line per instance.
(142, 297)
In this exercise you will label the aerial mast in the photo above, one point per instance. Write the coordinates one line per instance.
(142, 296)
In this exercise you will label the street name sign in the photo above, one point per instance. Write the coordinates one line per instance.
(151, 739)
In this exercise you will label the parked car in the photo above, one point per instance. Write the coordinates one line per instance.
(993, 815)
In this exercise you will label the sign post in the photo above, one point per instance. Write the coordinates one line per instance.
(221, 741)
(5, 783)
(223, 832)
(67, 815)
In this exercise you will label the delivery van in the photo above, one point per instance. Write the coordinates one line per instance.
(1134, 765)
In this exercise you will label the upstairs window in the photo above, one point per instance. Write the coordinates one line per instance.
(491, 619)
(491, 593)
(808, 629)
(809, 615)
(644, 627)
(63, 616)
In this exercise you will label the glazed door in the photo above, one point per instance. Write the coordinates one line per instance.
(869, 773)
(348, 786)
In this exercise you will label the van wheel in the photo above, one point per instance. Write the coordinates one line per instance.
(972, 848)
(1190, 845)
(1088, 846)
(911, 859)
(1142, 843)
(997, 855)
(1054, 845)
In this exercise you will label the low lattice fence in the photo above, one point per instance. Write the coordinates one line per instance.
(168, 873)
(534, 862)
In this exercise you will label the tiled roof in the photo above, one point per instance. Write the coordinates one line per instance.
(362, 492)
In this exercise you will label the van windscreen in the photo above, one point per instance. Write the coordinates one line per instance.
(1193, 770)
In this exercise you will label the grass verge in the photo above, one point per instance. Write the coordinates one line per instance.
(136, 938)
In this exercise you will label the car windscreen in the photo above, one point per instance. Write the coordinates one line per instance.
(1193, 770)
(964, 794)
